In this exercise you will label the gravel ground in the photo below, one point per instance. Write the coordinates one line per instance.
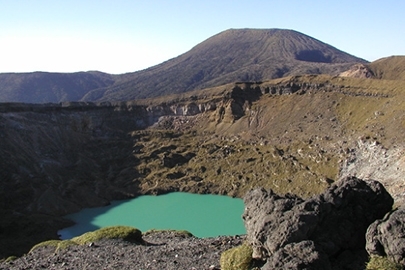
(162, 250)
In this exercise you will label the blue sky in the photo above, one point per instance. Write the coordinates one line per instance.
(124, 36)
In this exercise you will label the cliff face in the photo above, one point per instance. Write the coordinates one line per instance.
(57, 159)
(371, 160)
(52, 159)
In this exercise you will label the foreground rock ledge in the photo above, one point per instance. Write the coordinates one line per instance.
(169, 250)
(323, 232)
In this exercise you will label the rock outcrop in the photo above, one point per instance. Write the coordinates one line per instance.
(358, 71)
(324, 232)
(386, 237)
(371, 160)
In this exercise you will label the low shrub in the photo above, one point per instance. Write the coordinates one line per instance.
(237, 258)
(126, 233)
(379, 263)
(10, 259)
(49, 243)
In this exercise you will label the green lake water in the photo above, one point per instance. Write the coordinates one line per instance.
(202, 215)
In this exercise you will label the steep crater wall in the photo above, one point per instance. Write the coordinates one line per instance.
(59, 158)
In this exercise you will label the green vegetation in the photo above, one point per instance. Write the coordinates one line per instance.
(237, 258)
(10, 259)
(126, 233)
(55, 244)
(382, 263)
(228, 165)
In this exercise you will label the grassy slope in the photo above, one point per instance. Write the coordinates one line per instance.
(290, 143)
(389, 68)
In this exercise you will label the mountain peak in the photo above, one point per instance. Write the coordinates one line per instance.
(234, 55)
(281, 44)
(229, 56)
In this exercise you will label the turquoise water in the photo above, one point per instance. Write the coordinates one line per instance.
(202, 215)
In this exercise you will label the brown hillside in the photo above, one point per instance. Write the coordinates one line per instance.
(44, 87)
(233, 55)
(389, 68)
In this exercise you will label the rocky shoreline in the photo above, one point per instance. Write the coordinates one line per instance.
(161, 250)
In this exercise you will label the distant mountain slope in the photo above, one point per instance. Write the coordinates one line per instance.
(43, 87)
(389, 68)
(232, 55)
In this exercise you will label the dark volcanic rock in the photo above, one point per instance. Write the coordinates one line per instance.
(386, 237)
(294, 255)
(289, 232)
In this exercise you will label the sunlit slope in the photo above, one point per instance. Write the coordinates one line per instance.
(389, 68)
(232, 55)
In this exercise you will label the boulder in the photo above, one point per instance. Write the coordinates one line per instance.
(358, 71)
(386, 237)
(297, 255)
(317, 231)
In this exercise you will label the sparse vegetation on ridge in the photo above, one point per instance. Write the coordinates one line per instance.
(55, 244)
(389, 68)
(125, 233)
